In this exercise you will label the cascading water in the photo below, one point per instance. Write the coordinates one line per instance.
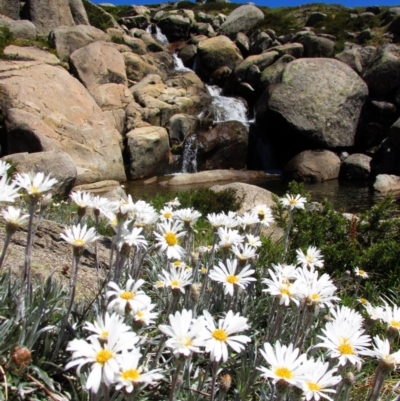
(189, 157)
(158, 35)
(227, 108)
(179, 66)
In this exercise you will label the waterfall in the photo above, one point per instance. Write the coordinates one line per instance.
(189, 157)
(158, 35)
(179, 64)
(227, 108)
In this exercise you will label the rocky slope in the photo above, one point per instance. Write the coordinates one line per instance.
(322, 83)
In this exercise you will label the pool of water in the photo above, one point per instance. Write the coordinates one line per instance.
(346, 196)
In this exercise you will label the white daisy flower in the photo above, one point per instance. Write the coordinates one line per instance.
(173, 203)
(285, 364)
(253, 240)
(4, 166)
(131, 375)
(381, 351)
(146, 219)
(360, 272)
(111, 325)
(264, 214)
(374, 312)
(144, 315)
(14, 219)
(229, 237)
(218, 338)
(244, 252)
(129, 299)
(346, 314)
(188, 216)
(284, 290)
(344, 341)
(132, 238)
(184, 332)
(82, 199)
(391, 316)
(167, 213)
(103, 360)
(35, 185)
(217, 220)
(8, 192)
(226, 274)
(177, 278)
(284, 272)
(99, 204)
(79, 236)
(318, 381)
(293, 202)
(168, 239)
(311, 259)
(247, 220)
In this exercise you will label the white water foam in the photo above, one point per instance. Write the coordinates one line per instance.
(158, 35)
(189, 157)
(179, 64)
(227, 108)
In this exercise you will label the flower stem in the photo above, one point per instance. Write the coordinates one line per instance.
(214, 379)
(175, 379)
(289, 227)
(5, 247)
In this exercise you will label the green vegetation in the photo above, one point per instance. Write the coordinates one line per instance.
(202, 199)
(370, 240)
(97, 18)
(5, 40)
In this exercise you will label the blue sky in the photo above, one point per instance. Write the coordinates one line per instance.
(271, 3)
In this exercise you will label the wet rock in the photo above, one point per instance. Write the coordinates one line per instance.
(387, 183)
(356, 167)
(313, 166)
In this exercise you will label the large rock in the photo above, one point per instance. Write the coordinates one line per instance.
(148, 152)
(67, 39)
(217, 52)
(251, 195)
(313, 166)
(352, 58)
(273, 73)
(262, 61)
(319, 99)
(223, 147)
(383, 73)
(98, 63)
(175, 27)
(50, 14)
(60, 115)
(357, 166)
(316, 46)
(241, 19)
(20, 29)
(10, 8)
(180, 126)
(78, 12)
(56, 163)
(387, 183)
(215, 175)
(31, 53)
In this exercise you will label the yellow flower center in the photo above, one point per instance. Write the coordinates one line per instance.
(315, 297)
(178, 263)
(361, 272)
(203, 270)
(140, 315)
(309, 258)
(171, 239)
(363, 301)
(79, 242)
(219, 334)
(174, 284)
(285, 291)
(313, 386)
(293, 201)
(127, 295)
(103, 356)
(395, 323)
(104, 334)
(284, 373)
(231, 279)
(345, 348)
(130, 374)
(167, 215)
(159, 284)
(34, 190)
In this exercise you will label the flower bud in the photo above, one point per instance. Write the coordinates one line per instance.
(21, 356)
(225, 382)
